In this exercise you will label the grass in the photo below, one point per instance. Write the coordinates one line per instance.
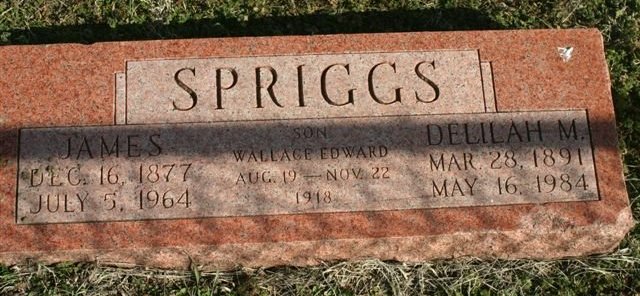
(86, 21)
(607, 274)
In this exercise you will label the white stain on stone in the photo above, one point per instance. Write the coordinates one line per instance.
(565, 53)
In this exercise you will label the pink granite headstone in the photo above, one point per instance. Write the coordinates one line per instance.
(295, 150)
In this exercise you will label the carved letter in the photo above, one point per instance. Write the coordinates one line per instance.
(323, 86)
(274, 78)
(104, 148)
(300, 86)
(39, 207)
(84, 147)
(371, 88)
(424, 78)
(68, 149)
(155, 144)
(219, 86)
(36, 172)
(192, 94)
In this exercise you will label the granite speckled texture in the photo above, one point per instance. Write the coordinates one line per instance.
(75, 85)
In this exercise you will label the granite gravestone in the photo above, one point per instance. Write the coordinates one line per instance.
(294, 150)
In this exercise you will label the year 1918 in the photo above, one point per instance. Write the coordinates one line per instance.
(316, 197)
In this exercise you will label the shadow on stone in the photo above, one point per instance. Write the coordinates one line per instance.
(319, 23)
(225, 155)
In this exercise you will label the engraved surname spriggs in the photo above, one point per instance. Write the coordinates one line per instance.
(420, 87)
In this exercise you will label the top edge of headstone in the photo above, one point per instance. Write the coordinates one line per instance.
(594, 31)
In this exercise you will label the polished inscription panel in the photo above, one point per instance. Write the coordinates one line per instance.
(271, 167)
(301, 86)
